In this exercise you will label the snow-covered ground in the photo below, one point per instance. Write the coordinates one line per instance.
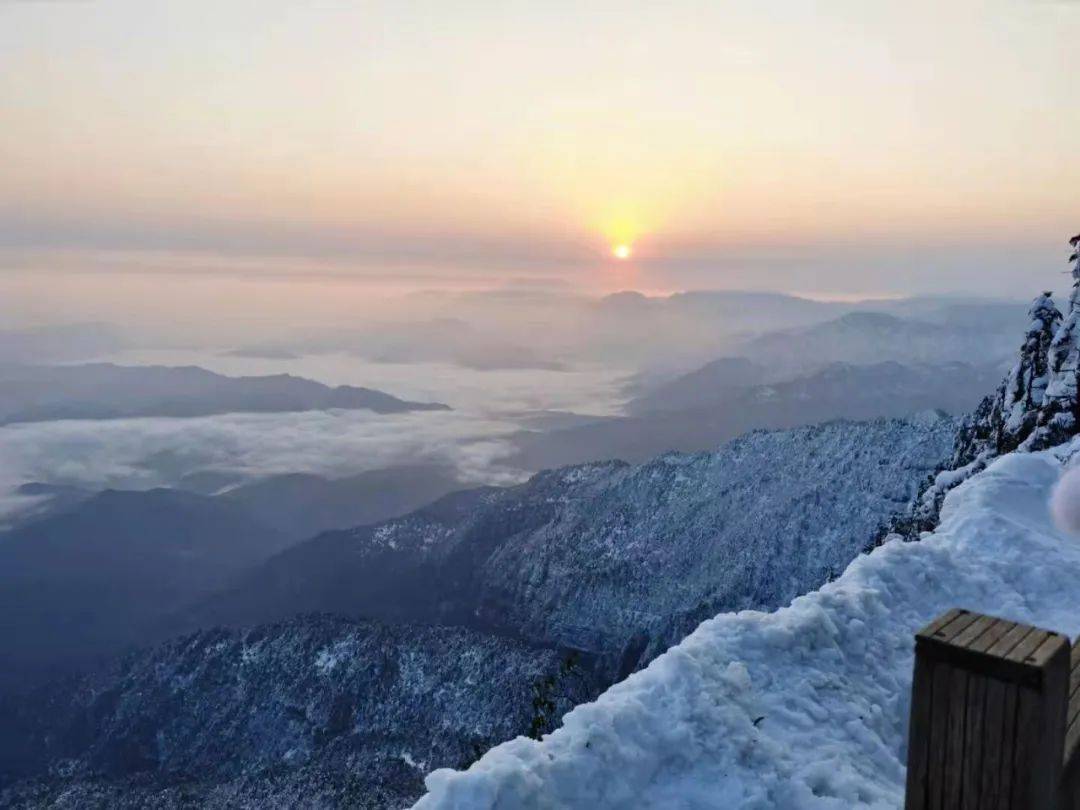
(806, 707)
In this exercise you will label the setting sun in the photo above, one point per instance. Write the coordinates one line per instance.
(621, 251)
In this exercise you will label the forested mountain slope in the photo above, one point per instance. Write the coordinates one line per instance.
(314, 712)
(610, 558)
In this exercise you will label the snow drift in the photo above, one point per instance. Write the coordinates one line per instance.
(806, 707)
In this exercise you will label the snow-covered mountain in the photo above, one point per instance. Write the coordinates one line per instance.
(487, 614)
(610, 558)
(108, 391)
(804, 708)
(607, 562)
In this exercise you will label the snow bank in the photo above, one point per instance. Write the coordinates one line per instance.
(805, 707)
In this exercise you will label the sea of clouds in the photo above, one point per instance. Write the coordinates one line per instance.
(151, 452)
(473, 438)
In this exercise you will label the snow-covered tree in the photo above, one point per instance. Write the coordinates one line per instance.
(1058, 417)
(1012, 417)
(1006, 418)
(1024, 389)
(979, 432)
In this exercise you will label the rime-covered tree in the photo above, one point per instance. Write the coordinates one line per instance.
(1025, 388)
(980, 431)
(1004, 421)
(1058, 417)
(1006, 418)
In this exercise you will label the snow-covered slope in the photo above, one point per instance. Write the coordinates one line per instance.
(654, 549)
(804, 708)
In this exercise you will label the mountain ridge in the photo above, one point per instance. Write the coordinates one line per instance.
(110, 391)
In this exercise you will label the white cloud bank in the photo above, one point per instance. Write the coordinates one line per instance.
(143, 453)
(489, 406)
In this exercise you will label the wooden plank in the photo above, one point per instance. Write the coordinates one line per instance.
(1040, 729)
(1069, 797)
(940, 622)
(954, 628)
(975, 737)
(1026, 749)
(1008, 734)
(991, 636)
(1056, 688)
(993, 755)
(922, 683)
(1053, 646)
(1070, 779)
(1008, 641)
(974, 631)
(955, 751)
(939, 718)
(1052, 731)
(1074, 667)
(1072, 712)
(1010, 662)
(1072, 737)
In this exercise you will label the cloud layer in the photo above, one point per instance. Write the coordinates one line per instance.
(143, 453)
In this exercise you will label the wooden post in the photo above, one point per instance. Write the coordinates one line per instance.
(988, 715)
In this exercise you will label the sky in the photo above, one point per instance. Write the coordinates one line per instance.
(834, 149)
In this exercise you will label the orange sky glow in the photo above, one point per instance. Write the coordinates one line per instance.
(533, 139)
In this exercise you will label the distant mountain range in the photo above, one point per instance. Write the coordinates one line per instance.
(887, 388)
(874, 337)
(724, 399)
(107, 391)
(507, 329)
(434, 340)
(712, 383)
(859, 365)
(87, 574)
(678, 332)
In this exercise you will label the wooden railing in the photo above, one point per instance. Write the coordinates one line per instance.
(995, 717)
